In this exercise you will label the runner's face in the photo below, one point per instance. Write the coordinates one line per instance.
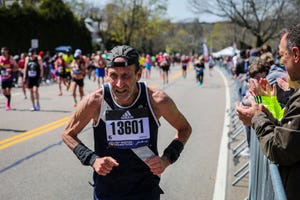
(123, 82)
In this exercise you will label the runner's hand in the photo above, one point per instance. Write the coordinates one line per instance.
(103, 166)
(157, 164)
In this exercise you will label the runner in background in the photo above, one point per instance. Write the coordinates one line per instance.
(184, 63)
(148, 66)
(68, 58)
(100, 64)
(21, 65)
(91, 67)
(78, 74)
(47, 67)
(60, 67)
(165, 66)
(7, 63)
(211, 65)
(33, 76)
(199, 67)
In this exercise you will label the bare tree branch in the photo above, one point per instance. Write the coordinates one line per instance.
(262, 18)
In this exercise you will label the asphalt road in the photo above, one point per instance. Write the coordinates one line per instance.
(36, 164)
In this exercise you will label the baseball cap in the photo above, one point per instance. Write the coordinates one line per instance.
(77, 53)
(128, 53)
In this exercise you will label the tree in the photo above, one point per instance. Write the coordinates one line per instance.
(52, 23)
(185, 38)
(292, 12)
(134, 22)
(30, 2)
(223, 34)
(61, 27)
(262, 18)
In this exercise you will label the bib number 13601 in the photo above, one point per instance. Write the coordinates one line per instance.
(127, 127)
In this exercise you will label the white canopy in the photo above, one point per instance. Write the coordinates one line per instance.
(228, 51)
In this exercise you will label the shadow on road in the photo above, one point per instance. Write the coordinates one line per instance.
(18, 162)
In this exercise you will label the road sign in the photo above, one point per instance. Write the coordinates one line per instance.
(34, 43)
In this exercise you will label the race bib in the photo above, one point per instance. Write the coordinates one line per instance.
(4, 72)
(76, 71)
(32, 73)
(60, 69)
(127, 129)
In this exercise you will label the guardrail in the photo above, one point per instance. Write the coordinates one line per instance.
(265, 181)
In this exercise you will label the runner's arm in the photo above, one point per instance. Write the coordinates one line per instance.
(40, 61)
(88, 109)
(25, 69)
(164, 107)
(14, 63)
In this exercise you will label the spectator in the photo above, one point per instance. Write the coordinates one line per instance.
(256, 71)
(279, 140)
(274, 73)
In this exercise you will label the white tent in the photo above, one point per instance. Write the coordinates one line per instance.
(228, 51)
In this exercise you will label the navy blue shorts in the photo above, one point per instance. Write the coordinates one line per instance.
(100, 72)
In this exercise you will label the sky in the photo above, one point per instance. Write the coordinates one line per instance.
(180, 10)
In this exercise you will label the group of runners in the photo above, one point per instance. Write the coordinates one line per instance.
(69, 70)
(32, 68)
(164, 61)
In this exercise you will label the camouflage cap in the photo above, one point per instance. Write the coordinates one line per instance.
(128, 53)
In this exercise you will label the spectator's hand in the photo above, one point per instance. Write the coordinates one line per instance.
(266, 89)
(283, 84)
(157, 164)
(104, 165)
(242, 78)
(246, 113)
(253, 87)
(261, 88)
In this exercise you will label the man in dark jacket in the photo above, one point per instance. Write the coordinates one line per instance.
(279, 140)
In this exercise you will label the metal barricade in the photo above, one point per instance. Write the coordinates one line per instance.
(264, 182)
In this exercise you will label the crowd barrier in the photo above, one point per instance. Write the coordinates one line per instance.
(265, 182)
(264, 178)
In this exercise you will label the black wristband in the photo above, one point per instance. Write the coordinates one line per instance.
(172, 152)
(84, 154)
